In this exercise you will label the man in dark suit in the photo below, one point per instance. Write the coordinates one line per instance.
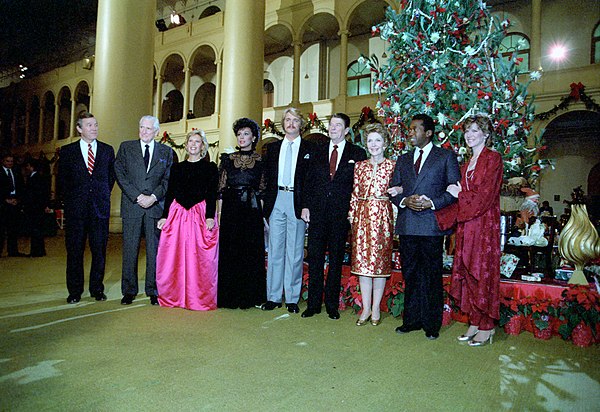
(11, 184)
(286, 165)
(86, 178)
(424, 174)
(36, 197)
(327, 194)
(142, 168)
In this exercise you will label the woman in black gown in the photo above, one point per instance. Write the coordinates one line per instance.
(242, 276)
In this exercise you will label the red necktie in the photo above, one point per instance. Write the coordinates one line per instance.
(90, 160)
(418, 162)
(333, 161)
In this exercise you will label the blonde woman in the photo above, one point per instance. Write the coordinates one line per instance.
(189, 243)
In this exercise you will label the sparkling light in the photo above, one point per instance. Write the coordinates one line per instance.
(558, 52)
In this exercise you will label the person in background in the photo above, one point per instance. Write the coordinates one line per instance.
(242, 275)
(11, 185)
(546, 209)
(189, 243)
(372, 221)
(476, 214)
(142, 167)
(36, 197)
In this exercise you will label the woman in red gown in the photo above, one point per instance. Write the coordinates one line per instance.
(476, 269)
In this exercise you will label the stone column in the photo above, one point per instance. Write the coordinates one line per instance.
(218, 87)
(123, 73)
(186, 92)
(73, 117)
(158, 98)
(340, 101)
(535, 47)
(27, 118)
(56, 114)
(41, 124)
(296, 82)
(243, 61)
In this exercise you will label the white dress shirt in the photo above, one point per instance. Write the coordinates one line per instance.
(282, 152)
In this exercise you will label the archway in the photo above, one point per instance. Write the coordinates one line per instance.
(48, 125)
(64, 113)
(204, 100)
(172, 108)
(34, 120)
(174, 78)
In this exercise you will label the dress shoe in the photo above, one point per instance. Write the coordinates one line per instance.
(333, 314)
(127, 299)
(153, 300)
(100, 296)
(475, 343)
(292, 308)
(432, 335)
(406, 329)
(466, 338)
(310, 313)
(270, 305)
(73, 298)
(375, 322)
(361, 322)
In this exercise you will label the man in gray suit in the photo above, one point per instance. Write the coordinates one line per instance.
(142, 168)
(424, 174)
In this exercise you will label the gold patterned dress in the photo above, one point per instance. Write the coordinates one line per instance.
(372, 219)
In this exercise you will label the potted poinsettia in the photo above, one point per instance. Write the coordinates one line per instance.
(395, 299)
(510, 318)
(542, 310)
(581, 310)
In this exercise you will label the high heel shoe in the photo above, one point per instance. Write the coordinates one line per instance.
(489, 340)
(466, 338)
(375, 322)
(361, 322)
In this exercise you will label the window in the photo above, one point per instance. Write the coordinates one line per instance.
(268, 93)
(596, 44)
(359, 79)
(516, 43)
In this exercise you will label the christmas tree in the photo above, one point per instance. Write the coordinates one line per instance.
(444, 61)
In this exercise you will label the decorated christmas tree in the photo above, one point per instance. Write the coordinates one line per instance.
(444, 61)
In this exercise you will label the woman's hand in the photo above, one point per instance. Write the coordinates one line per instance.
(161, 223)
(210, 223)
(454, 190)
(395, 191)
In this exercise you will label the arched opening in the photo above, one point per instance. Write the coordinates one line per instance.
(172, 108)
(209, 11)
(34, 120)
(64, 113)
(516, 43)
(359, 79)
(279, 64)
(174, 79)
(204, 100)
(595, 44)
(48, 125)
(268, 93)
(82, 97)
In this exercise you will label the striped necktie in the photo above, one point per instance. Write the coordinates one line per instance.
(90, 159)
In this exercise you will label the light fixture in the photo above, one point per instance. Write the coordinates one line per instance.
(306, 76)
(558, 52)
(177, 19)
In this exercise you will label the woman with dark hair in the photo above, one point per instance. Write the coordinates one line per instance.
(242, 276)
(476, 214)
(186, 264)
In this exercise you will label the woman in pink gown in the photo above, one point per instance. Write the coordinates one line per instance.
(186, 266)
(476, 268)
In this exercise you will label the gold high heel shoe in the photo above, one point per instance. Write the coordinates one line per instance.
(489, 340)
(375, 322)
(361, 322)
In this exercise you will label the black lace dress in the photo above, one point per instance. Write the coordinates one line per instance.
(242, 275)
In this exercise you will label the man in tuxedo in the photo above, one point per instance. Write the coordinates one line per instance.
(36, 197)
(326, 203)
(286, 165)
(142, 168)
(11, 185)
(86, 178)
(424, 174)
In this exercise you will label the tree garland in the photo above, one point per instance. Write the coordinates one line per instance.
(577, 94)
(166, 139)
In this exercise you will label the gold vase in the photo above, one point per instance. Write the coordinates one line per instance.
(579, 242)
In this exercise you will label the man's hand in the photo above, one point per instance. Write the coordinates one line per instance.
(305, 215)
(417, 203)
(145, 201)
(210, 223)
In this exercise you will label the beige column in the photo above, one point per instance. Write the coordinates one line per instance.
(123, 73)
(56, 114)
(27, 118)
(535, 46)
(296, 79)
(158, 98)
(340, 101)
(41, 124)
(218, 87)
(243, 61)
(186, 92)
(73, 118)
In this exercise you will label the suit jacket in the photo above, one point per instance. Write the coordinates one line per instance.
(439, 170)
(272, 172)
(81, 189)
(134, 180)
(324, 196)
(5, 184)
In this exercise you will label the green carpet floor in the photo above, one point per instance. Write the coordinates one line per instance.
(102, 356)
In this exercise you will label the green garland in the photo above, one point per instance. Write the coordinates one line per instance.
(577, 94)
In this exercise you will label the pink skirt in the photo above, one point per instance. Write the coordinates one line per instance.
(187, 260)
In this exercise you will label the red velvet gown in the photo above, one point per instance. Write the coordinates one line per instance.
(476, 268)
